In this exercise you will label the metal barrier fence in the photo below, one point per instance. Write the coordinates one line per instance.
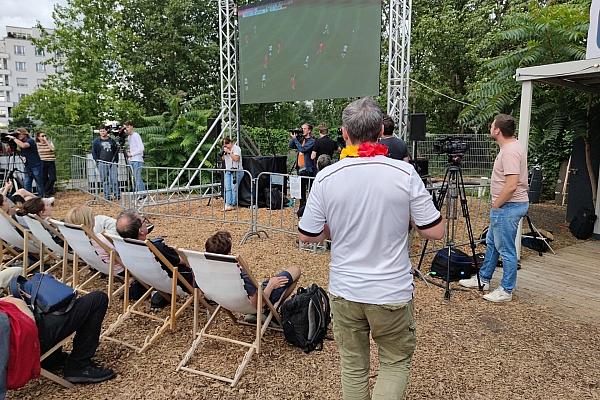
(270, 201)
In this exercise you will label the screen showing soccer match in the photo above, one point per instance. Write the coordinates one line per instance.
(293, 50)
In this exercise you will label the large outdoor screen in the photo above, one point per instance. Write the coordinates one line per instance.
(307, 49)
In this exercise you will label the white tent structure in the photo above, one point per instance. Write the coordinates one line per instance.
(581, 75)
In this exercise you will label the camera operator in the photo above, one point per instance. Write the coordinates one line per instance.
(32, 160)
(135, 155)
(232, 156)
(305, 165)
(324, 144)
(396, 147)
(105, 152)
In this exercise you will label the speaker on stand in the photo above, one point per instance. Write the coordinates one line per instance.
(416, 133)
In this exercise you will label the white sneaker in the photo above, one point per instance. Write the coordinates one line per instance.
(228, 207)
(498, 295)
(472, 283)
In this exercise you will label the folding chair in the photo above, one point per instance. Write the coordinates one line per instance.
(16, 240)
(218, 277)
(49, 375)
(49, 249)
(80, 239)
(139, 259)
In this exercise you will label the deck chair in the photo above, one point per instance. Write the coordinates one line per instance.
(80, 239)
(16, 241)
(140, 261)
(51, 251)
(218, 278)
(52, 376)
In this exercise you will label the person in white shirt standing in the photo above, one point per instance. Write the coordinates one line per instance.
(232, 155)
(135, 155)
(365, 204)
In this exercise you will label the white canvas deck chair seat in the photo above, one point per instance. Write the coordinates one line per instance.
(80, 239)
(16, 242)
(140, 261)
(218, 278)
(49, 249)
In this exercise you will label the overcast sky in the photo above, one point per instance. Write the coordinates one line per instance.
(26, 13)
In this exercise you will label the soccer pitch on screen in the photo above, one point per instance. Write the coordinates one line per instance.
(302, 50)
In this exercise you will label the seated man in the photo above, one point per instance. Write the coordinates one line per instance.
(274, 288)
(131, 225)
(85, 320)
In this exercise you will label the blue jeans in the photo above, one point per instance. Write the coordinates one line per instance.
(34, 173)
(110, 179)
(136, 166)
(232, 182)
(500, 241)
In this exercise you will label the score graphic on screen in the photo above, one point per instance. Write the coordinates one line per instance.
(293, 50)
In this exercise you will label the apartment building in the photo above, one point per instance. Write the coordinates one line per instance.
(22, 68)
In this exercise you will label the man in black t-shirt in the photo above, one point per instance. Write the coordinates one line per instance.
(324, 144)
(396, 147)
(33, 164)
(105, 152)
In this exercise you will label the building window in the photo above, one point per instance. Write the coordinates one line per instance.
(40, 82)
(39, 67)
(19, 50)
(21, 81)
(22, 95)
(20, 66)
(60, 69)
(39, 52)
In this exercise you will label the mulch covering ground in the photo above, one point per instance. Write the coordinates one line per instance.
(466, 349)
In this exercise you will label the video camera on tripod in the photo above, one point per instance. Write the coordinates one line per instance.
(117, 130)
(6, 137)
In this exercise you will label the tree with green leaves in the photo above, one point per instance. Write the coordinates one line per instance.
(544, 34)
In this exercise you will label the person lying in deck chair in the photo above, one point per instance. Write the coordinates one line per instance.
(83, 215)
(131, 225)
(85, 320)
(274, 287)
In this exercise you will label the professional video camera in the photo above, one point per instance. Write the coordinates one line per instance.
(452, 145)
(298, 132)
(117, 130)
(5, 138)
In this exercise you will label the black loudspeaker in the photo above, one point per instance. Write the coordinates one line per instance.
(417, 127)
(216, 131)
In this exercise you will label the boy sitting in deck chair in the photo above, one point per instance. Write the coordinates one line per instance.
(275, 287)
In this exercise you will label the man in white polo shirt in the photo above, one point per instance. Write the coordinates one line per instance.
(365, 204)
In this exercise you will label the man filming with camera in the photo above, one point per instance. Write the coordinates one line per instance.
(31, 159)
(105, 152)
(232, 156)
(304, 143)
(365, 204)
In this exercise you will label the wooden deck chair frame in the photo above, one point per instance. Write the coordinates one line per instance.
(199, 261)
(16, 237)
(49, 249)
(137, 271)
(51, 376)
(84, 250)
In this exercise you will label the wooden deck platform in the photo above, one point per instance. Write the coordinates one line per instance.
(568, 282)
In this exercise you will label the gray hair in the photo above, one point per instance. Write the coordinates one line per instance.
(323, 161)
(363, 120)
(128, 224)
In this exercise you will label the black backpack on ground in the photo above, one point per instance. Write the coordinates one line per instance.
(461, 265)
(306, 317)
(582, 225)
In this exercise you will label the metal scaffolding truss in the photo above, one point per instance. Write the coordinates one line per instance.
(228, 63)
(399, 25)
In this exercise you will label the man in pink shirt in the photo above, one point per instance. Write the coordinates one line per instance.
(509, 204)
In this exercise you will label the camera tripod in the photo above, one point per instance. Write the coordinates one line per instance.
(453, 191)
